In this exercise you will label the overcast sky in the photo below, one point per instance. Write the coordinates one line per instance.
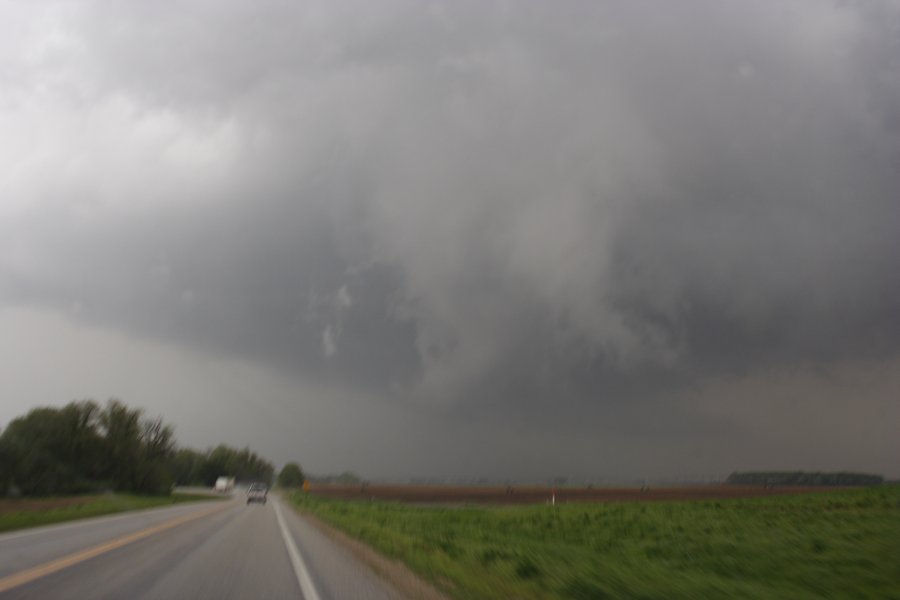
(606, 240)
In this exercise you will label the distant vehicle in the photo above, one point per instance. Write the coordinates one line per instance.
(224, 484)
(257, 492)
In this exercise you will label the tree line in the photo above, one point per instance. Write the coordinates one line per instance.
(803, 478)
(190, 467)
(85, 447)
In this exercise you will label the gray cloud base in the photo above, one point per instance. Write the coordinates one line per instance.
(566, 217)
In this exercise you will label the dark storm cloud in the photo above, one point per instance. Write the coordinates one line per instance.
(491, 209)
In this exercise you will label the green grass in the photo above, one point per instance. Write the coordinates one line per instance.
(842, 544)
(12, 518)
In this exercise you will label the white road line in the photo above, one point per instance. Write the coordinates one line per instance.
(303, 578)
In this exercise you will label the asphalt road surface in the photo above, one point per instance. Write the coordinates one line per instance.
(223, 549)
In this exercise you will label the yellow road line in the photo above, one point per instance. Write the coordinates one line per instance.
(28, 575)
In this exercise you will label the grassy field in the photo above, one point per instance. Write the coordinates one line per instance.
(838, 544)
(19, 514)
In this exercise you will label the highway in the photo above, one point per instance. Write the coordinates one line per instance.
(217, 549)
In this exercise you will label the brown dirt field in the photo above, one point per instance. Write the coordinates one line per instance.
(37, 504)
(441, 494)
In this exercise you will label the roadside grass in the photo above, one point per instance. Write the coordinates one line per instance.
(837, 544)
(21, 514)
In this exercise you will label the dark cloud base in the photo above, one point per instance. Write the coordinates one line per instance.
(552, 217)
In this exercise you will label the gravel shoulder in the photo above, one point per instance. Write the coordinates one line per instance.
(394, 572)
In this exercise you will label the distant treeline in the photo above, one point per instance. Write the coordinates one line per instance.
(345, 478)
(83, 447)
(190, 467)
(803, 478)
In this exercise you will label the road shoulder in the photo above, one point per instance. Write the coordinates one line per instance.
(394, 572)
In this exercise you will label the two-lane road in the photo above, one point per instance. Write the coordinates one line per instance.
(202, 550)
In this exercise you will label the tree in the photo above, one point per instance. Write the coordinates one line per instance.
(6, 464)
(243, 465)
(139, 450)
(157, 450)
(122, 432)
(82, 447)
(80, 422)
(348, 478)
(53, 450)
(186, 465)
(780, 478)
(291, 476)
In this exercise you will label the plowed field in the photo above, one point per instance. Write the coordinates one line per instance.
(446, 494)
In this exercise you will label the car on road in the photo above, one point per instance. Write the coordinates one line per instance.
(257, 492)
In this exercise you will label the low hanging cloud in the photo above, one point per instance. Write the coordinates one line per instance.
(557, 214)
